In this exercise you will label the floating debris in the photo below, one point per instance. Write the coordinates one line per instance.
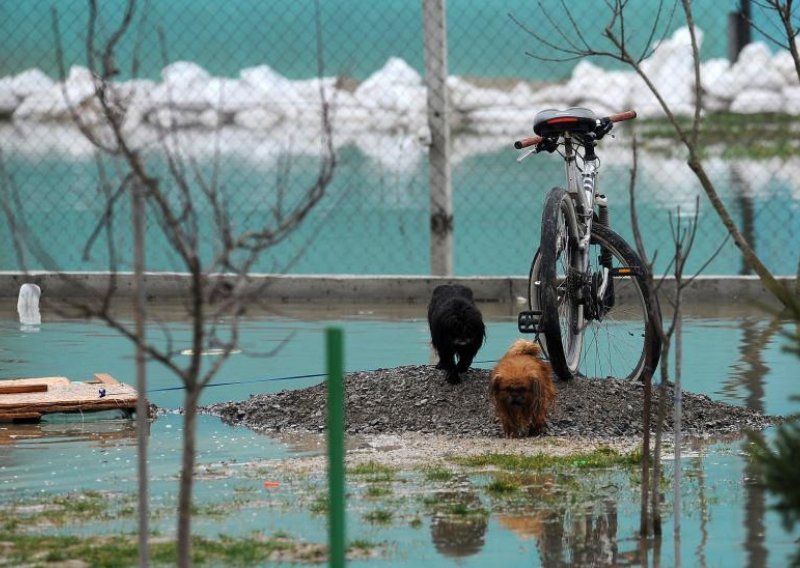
(27, 400)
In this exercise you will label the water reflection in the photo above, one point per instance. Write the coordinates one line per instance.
(458, 524)
(593, 532)
(571, 538)
(749, 373)
(566, 533)
(23, 445)
(109, 428)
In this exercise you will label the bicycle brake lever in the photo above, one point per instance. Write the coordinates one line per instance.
(547, 145)
(526, 154)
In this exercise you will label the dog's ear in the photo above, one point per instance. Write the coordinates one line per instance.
(496, 380)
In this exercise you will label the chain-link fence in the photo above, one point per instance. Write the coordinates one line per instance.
(232, 92)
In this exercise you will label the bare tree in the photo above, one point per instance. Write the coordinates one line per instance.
(683, 238)
(217, 262)
(784, 34)
(569, 42)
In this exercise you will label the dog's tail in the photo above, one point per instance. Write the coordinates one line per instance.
(525, 347)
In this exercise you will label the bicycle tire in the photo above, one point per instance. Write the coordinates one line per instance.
(559, 309)
(615, 344)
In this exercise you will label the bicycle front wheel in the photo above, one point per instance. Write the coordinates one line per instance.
(586, 331)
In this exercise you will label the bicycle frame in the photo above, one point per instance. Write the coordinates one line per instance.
(581, 186)
(583, 194)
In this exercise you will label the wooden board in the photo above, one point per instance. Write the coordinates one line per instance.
(29, 399)
(20, 389)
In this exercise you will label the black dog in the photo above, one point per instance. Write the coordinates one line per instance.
(456, 328)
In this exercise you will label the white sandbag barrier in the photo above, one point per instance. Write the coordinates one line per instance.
(393, 98)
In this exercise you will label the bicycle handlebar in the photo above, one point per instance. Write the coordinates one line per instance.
(534, 140)
(526, 142)
(624, 115)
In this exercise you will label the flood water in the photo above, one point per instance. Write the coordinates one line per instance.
(726, 520)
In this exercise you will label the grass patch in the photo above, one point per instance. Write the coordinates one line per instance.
(373, 472)
(123, 550)
(215, 510)
(379, 516)
(66, 509)
(756, 136)
(464, 510)
(438, 474)
(429, 500)
(89, 504)
(245, 490)
(502, 487)
(378, 491)
(454, 504)
(320, 505)
(362, 544)
(600, 458)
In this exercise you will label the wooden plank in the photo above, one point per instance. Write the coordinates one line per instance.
(105, 379)
(50, 381)
(20, 416)
(21, 389)
(35, 397)
(78, 406)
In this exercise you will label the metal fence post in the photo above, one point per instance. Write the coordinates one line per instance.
(336, 494)
(441, 193)
(738, 30)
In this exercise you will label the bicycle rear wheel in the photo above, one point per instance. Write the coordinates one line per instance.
(556, 297)
(583, 331)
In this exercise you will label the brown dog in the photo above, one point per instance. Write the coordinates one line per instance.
(522, 390)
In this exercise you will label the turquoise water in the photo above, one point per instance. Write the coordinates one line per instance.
(358, 35)
(374, 221)
(726, 519)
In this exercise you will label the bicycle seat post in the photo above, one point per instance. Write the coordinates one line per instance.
(589, 145)
(570, 162)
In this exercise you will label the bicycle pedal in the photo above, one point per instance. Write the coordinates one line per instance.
(528, 321)
(623, 271)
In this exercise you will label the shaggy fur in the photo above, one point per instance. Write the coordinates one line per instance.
(457, 329)
(522, 390)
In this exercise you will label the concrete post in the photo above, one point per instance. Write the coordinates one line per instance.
(441, 192)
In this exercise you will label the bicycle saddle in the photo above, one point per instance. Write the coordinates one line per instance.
(552, 122)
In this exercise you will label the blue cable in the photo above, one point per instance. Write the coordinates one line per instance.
(264, 380)
(228, 383)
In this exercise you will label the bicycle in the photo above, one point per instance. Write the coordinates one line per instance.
(587, 292)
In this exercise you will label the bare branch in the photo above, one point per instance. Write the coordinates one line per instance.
(698, 91)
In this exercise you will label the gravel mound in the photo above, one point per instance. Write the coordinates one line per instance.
(418, 399)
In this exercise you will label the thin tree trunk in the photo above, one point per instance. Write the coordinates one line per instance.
(655, 490)
(186, 480)
(678, 421)
(142, 412)
(644, 525)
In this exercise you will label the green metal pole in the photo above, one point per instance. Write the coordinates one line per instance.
(336, 500)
